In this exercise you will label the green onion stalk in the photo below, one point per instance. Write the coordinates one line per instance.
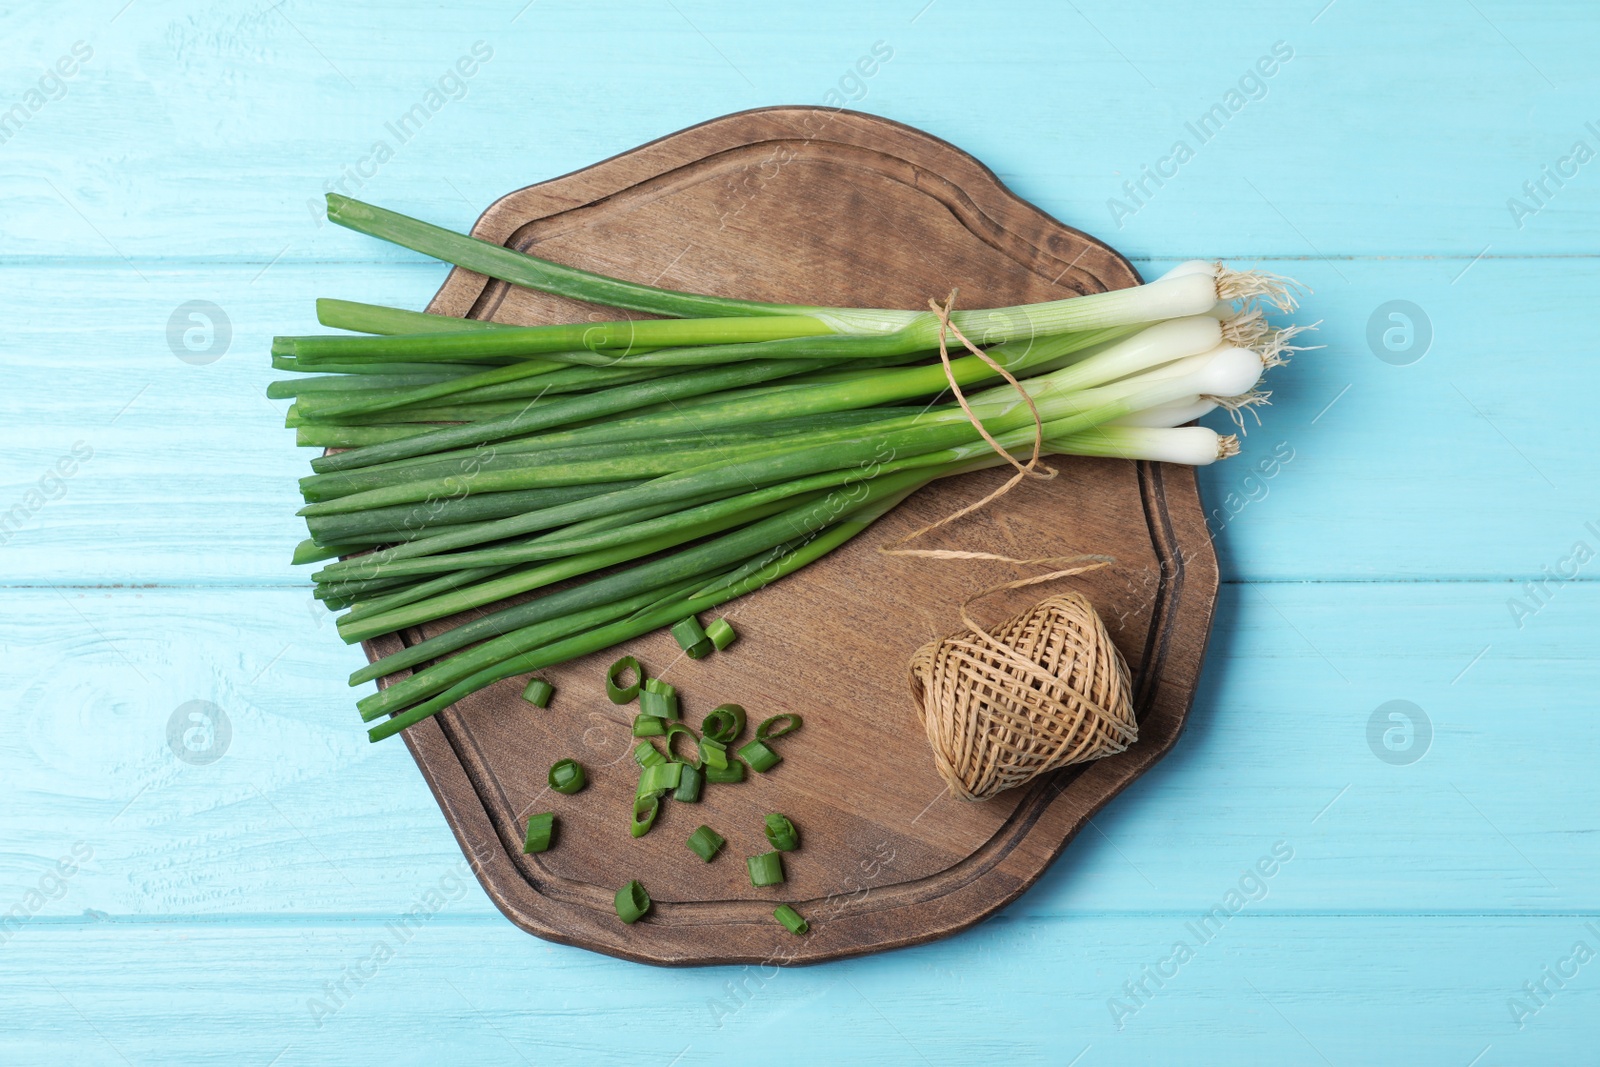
(619, 477)
(543, 633)
(677, 476)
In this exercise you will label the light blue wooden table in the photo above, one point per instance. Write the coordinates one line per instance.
(1431, 541)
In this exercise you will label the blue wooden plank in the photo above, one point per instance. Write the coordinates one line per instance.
(1389, 129)
(1258, 988)
(1291, 737)
(1386, 468)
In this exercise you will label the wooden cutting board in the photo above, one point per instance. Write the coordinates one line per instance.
(827, 207)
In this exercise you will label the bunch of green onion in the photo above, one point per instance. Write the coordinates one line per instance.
(636, 472)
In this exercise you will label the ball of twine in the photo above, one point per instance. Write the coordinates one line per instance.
(1045, 690)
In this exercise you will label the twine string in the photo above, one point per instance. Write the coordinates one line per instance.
(1032, 469)
(1075, 565)
(1047, 690)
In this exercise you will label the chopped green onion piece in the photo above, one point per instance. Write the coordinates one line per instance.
(676, 730)
(790, 919)
(759, 756)
(700, 649)
(713, 754)
(541, 828)
(662, 706)
(659, 779)
(539, 693)
(725, 723)
(775, 727)
(646, 754)
(722, 634)
(632, 902)
(689, 635)
(619, 693)
(656, 685)
(566, 776)
(781, 833)
(645, 810)
(733, 772)
(765, 869)
(647, 725)
(705, 842)
(689, 784)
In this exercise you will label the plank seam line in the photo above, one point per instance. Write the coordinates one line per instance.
(494, 917)
(270, 587)
(157, 262)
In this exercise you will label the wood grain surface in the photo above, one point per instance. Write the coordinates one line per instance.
(831, 208)
(223, 900)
